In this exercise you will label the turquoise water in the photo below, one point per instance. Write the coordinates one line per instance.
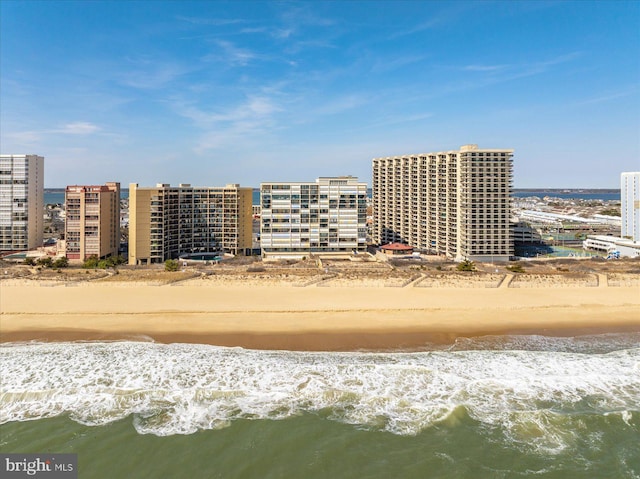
(16, 256)
(496, 407)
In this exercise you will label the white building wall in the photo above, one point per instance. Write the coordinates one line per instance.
(21, 202)
(630, 205)
(324, 217)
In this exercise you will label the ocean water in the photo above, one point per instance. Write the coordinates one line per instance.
(54, 196)
(574, 195)
(495, 407)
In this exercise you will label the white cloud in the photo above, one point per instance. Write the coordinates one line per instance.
(148, 74)
(342, 104)
(608, 97)
(231, 54)
(254, 116)
(385, 65)
(484, 68)
(24, 137)
(78, 128)
(211, 21)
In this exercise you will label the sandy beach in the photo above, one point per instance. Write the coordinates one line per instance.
(273, 316)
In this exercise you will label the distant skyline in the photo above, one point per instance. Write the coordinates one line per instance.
(210, 93)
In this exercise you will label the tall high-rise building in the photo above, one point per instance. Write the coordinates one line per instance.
(92, 226)
(630, 205)
(455, 203)
(325, 217)
(21, 202)
(166, 222)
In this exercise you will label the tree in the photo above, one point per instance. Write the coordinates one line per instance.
(171, 265)
(466, 265)
(29, 261)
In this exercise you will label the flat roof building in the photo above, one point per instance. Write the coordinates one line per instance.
(21, 202)
(630, 205)
(92, 226)
(455, 203)
(612, 246)
(325, 217)
(167, 221)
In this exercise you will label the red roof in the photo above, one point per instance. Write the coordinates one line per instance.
(397, 247)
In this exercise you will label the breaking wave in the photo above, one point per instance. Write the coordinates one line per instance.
(536, 396)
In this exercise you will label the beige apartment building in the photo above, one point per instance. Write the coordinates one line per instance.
(92, 226)
(327, 217)
(21, 202)
(167, 221)
(454, 203)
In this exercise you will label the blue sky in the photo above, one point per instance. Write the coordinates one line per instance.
(210, 93)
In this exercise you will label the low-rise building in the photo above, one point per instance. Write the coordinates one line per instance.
(612, 246)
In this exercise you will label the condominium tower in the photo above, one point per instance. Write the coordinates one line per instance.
(166, 222)
(630, 205)
(455, 203)
(92, 226)
(325, 217)
(21, 202)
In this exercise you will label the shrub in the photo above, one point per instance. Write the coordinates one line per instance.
(171, 265)
(466, 265)
(61, 262)
(91, 262)
(113, 261)
(29, 261)
(45, 262)
(516, 268)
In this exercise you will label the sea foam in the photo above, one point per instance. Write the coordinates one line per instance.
(183, 388)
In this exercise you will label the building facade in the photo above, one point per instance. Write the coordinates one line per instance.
(21, 202)
(454, 203)
(612, 247)
(630, 205)
(92, 226)
(166, 222)
(326, 217)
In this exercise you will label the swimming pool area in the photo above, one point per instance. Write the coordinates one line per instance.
(201, 257)
(15, 256)
(547, 251)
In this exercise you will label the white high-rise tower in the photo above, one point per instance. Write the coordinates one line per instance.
(630, 205)
(21, 202)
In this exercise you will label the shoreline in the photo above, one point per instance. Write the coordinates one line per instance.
(371, 341)
(309, 319)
